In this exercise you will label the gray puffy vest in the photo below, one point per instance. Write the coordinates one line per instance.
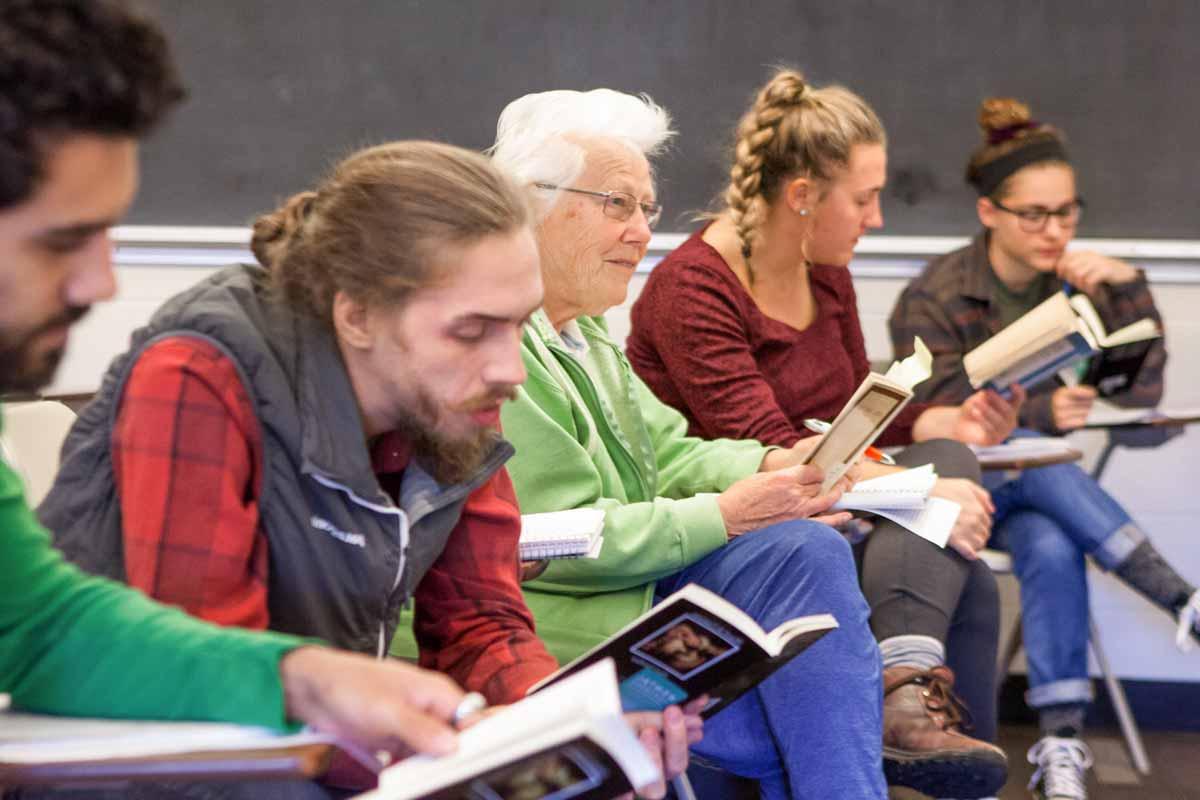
(343, 556)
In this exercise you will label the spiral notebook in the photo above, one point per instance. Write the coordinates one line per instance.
(574, 533)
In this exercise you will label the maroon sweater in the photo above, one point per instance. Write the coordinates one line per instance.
(701, 343)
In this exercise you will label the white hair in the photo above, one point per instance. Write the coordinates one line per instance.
(537, 135)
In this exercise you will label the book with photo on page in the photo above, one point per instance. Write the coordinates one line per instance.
(1056, 334)
(569, 741)
(694, 643)
(904, 498)
(41, 749)
(575, 533)
(868, 412)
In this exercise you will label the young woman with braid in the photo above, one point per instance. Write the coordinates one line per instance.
(751, 326)
(1049, 518)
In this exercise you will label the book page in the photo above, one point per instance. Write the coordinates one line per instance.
(913, 370)
(859, 424)
(570, 740)
(1047, 322)
(1138, 331)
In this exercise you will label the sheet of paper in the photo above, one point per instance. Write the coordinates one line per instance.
(1031, 447)
(914, 369)
(933, 521)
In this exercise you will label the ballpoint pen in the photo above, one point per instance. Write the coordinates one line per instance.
(873, 453)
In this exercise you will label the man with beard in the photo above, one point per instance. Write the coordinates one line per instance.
(81, 81)
(309, 443)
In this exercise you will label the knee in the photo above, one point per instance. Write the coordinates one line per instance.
(950, 459)
(981, 596)
(1040, 545)
(805, 540)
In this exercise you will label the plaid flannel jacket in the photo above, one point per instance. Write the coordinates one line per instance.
(949, 305)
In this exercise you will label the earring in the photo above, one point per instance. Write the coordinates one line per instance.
(803, 212)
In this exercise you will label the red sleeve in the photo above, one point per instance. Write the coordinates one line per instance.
(186, 445)
(900, 431)
(471, 619)
(699, 335)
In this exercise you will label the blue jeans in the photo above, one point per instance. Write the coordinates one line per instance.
(813, 729)
(1049, 518)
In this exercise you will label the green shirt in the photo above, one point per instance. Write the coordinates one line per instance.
(590, 433)
(77, 645)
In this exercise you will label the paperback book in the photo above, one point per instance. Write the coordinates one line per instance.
(569, 741)
(868, 412)
(691, 644)
(1056, 334)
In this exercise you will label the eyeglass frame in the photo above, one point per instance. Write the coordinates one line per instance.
(651, 211)
(1031, 216)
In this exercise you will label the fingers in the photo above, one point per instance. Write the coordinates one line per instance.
(651, 739)
(834, 520)
(675, 743)
(963, 549)
(804, 474)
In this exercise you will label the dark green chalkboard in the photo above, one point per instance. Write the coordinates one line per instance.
(281, 87)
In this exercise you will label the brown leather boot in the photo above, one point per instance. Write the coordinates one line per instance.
(924, 747)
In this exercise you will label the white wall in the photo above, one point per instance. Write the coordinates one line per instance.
(1159, 487)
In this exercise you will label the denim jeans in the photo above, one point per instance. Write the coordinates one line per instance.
(813, 729)
(1049, 518)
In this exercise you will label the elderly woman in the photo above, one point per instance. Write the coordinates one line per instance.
(732, 516)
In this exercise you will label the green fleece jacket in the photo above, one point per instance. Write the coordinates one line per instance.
(590, 433)
(77, 645)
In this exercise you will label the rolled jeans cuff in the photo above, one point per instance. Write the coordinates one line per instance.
(1072, 690)
(1117, 547)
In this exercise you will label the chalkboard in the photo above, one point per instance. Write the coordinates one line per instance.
(281, 88)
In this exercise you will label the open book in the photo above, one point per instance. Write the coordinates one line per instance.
(575, 533)
(37, 749)
(569, 741)
(868, 412)
(1055, 334)
(903, 497)
(695, 643)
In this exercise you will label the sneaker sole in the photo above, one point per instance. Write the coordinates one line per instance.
(962, 775)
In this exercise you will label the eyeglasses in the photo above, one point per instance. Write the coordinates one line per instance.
(1033, 220)
(617, 205)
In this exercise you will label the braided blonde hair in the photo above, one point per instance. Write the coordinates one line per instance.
(791, 130)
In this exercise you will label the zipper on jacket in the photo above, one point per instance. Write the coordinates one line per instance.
(402, 519)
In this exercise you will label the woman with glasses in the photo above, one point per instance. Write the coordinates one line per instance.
(751, 326)
(1048, 518)
(741, 519)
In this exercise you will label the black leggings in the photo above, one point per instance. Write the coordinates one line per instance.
(917, 588)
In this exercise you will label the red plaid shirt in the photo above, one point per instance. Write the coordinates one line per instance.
(187, 451)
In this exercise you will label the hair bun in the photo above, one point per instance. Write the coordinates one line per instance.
(786, 88)
(274, 232)
(1002, 113)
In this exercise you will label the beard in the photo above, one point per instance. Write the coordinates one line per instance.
(450, 459)
(25, 370)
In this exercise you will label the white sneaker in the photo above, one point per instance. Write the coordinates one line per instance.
(1062, 764)
(1189, 621)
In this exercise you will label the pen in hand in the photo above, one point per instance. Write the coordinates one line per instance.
(873, 453)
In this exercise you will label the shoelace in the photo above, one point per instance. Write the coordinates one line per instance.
(940, 698)
(1189, 615)
(1061, 765)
